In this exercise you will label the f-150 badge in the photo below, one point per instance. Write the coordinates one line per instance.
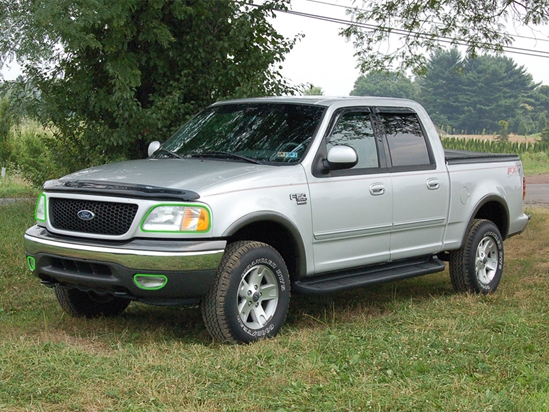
(300, 198)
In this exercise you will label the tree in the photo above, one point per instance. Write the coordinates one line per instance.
(503, 134)
(6, 123)
(310, 89)
(542, 122)
(441, 85)
(113, 76)
(545, 134)
(474, 94)
(540, 97)
(385, 83)
(428, 25)
(494, 88)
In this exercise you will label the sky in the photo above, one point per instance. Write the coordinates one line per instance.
(325, 59)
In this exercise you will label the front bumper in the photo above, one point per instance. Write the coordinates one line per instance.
(110, 267)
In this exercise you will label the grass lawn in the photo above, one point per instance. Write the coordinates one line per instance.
(406, 346)
(16, 188)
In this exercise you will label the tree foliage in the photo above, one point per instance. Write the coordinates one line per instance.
(441, 85)
(310, 89)
(428, 25)
(468, 95)
(6, 123)
(113, 76)
(385, 83)
(475, 94)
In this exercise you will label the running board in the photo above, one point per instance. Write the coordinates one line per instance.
(364, 276)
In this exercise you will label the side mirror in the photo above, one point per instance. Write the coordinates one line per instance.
(341, 157)
(153, 147)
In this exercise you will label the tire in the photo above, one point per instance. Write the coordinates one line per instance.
(250, 295)
(477, 267)
(89, 304)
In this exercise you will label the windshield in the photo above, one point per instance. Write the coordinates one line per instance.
(255, 132)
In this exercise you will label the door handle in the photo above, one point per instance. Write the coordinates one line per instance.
(377, 189)
(433, 184)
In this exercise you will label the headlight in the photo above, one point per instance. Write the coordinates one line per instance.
(40, 211)
(177, 218)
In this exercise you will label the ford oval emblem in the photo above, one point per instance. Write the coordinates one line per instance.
(86, 215)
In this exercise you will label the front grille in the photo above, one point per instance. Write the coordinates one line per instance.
(109, 218)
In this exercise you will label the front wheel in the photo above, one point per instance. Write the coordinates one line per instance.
(477, 267)
(89, 304)
(250, 295)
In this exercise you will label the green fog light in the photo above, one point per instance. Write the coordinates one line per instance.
(31, 263)
(150, 282)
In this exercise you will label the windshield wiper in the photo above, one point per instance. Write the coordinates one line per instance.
(227, 155)
(169, 152)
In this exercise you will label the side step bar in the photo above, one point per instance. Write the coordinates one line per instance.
(364, 276)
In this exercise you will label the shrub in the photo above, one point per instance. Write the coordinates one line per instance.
(34, 158)
(545, 134)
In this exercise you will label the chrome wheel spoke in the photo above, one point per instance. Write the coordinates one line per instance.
(486, 260)
(256, 276)
(244, 309)
(243, 289)
(259, 316)
(258, 296)
(492, 264)
(269, 291)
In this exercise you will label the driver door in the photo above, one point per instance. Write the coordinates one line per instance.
(352, 208)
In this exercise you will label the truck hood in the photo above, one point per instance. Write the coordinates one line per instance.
(180, 174)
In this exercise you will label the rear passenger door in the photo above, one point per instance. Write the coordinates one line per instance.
(420, 186)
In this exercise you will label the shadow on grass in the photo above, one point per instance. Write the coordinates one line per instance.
(373, 301)
(143, 324)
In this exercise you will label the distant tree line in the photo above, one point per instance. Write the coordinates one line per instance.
(482, 95)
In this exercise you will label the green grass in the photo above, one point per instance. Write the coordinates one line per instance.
(14, 187)
(535, 163)
(405, 346)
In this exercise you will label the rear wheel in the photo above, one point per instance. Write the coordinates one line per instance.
(477, 267)
(89, 304)
(250, 295)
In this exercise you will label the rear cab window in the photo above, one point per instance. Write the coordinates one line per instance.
(406, 142)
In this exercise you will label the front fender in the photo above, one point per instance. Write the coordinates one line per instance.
(273, 227)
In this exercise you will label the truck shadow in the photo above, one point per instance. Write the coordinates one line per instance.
(144, 324)
(373, 301)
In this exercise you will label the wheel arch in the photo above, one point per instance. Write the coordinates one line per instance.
(277, 231)
(494, 209)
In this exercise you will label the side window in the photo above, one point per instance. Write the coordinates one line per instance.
(406, 140)
(355, 129)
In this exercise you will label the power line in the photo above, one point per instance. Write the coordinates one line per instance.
(325, 3)
(371, 27)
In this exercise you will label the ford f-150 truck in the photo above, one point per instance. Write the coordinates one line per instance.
(253, 198)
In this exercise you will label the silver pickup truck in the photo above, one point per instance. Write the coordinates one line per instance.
(253, 198)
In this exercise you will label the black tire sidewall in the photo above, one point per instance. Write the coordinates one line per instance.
(485, 229)
(263, 255)
(83, 304)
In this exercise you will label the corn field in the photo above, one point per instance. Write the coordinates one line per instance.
(494, 146)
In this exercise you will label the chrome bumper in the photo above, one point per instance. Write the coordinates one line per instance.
(190, 266)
